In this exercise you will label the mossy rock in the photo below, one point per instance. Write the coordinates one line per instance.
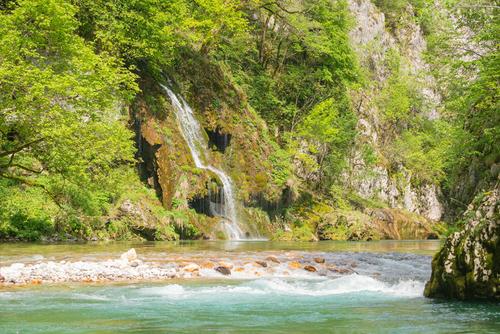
(467, 266)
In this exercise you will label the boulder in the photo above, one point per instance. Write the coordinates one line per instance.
(319, 259)
(468, 264)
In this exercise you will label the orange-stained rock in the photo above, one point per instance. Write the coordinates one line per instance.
(191, 267)
(319, 259)
(239, 269)
(36, 281)
(226, 264)
(208, 265)
(294, 265)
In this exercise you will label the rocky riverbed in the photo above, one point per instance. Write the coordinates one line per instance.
(132, 267)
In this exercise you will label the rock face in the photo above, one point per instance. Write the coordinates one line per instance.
(468, 265)
(373, 42)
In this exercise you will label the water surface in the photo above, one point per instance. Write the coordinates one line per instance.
(383, 295)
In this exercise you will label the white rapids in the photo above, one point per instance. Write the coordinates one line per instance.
(191, 130)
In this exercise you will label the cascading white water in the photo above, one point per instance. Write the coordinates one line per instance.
(193, 135)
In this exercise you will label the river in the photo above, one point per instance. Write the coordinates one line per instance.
(378, 290)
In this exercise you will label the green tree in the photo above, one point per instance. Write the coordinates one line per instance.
(61, 120)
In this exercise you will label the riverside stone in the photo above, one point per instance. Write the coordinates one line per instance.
(262, 263)
(273, 259)
(191, 267)
(310, 268)
(223, 270)
(129, 255)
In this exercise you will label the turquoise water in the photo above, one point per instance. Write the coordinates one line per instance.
(384, 295)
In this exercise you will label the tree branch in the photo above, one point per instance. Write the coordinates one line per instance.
(20, 148)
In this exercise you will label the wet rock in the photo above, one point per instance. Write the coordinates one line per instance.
(294, 265)
(262, 263)
(134, 264)
(129, 255)
(310, 268)
(223, 270)
(319, 259)
(273, 259)
(36, 281)
(340, 270)
(2, 279)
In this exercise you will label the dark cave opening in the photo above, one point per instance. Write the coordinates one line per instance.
(218, 140)
(148, 165)
(210, 204)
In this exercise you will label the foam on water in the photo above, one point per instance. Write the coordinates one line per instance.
(278, 286)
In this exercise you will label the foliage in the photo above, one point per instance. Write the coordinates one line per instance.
(467, 66)
(330, 127)
(426, 150)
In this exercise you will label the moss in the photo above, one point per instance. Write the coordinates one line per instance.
(297, 233)
(472, 276)
(166, 233)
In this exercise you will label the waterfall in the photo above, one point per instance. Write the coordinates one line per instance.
(192, 132)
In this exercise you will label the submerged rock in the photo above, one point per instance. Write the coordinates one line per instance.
(468, 265)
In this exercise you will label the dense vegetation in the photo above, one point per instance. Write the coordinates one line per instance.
(69, 70)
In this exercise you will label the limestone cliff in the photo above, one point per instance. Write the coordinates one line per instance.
(374, 44)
